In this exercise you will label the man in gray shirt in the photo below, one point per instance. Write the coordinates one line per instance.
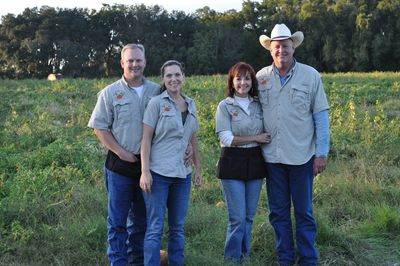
(295, 110)
(117, 122)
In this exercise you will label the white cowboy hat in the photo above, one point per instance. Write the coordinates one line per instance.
(281, 32)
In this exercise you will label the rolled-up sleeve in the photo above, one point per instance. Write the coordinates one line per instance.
(222, 118)
(102, 115)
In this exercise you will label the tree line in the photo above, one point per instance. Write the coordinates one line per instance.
(340, 35)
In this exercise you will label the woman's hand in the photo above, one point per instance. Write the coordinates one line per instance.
(198, 180)
(264, 138)
(146, 181)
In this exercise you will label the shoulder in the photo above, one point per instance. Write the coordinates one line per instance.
(150, 84)
(225, 102)
(155, 99)
(114, 89)
(307, 69)
(264, 71)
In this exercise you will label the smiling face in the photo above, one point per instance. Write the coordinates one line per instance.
(241, 81)
(282, 53)
(173, 78)
(133, 64)
(242, 84)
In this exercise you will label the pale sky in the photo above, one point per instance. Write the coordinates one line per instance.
(188, 6)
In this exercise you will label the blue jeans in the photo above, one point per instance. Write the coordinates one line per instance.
(124, 194)
(241, 198)
(174, 194)
(288, 184)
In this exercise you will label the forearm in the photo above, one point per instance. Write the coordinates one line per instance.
(108, 140)
(242, 140)
(321, 122)
(196, 153)
(228, 139)
(145, 147)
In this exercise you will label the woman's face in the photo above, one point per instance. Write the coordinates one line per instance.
(173, 78)
(242, 84)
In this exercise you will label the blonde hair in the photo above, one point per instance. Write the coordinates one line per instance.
(132, 46)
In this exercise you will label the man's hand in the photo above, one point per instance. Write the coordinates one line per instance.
(320, 164)
(189, 155)
(127, 156)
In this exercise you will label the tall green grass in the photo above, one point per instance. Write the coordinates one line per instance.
(53, 200)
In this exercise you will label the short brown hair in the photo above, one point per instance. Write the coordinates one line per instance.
(241, 68)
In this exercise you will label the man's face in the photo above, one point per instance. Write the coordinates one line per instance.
(282, 52)
(133, 64)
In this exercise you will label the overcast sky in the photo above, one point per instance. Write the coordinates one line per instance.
(17, 6)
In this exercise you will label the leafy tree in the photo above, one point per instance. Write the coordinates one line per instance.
(340, 35)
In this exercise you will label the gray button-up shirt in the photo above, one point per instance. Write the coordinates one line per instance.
(120, 110)
(171, 136)
(288, 113)
(230, 116)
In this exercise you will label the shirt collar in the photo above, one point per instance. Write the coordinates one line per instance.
(189, 101)
(284, 79)
(231, 100)
(126, 83)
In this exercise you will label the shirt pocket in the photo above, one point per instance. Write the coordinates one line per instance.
(237, 115)
(122, 111)
(264, 94)
(168, 120)
(300, 98)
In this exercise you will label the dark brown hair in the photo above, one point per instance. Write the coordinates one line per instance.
(241, 68)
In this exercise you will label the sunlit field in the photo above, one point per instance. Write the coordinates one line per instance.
(53, 199)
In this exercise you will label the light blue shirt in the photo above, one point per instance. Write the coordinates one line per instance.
(321, 121)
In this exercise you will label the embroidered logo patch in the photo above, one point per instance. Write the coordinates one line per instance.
(235, 113)
(119, 95)
(264, 82)
(167, 108)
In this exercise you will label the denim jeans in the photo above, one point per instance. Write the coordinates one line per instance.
(174, 194)
(124, 194)
(292, 184)
(241, 198)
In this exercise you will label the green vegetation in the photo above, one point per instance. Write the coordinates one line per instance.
(53, 200)
(340, 35)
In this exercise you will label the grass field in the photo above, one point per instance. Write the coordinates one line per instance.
(53, 199)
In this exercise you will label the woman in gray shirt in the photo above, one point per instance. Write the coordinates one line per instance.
(169, 125)
(241, 167)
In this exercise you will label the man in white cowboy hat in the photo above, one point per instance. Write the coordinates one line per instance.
(296, 114)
